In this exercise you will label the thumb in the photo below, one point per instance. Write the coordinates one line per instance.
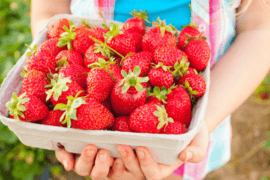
(196, 150)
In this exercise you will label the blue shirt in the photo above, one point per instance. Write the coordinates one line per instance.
(176, 12)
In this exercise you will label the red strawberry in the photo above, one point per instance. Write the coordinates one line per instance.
(41, 60)
(53, 118)
(115, 71)
(93, 53)
(72, 57)
(149, 118)
(194, 83)
(34, 83)
(136, 24)
(90, 115)
(107, 104)
(121, 124)
(129, 93)
(51, 45)
(99, 84)
(138, 40)
(137, 59)
(168, 56)
(159, 35)
(122, 43)
(175, 128)
(76, 73)
(198, 52)
(27, 108)
(178, 105)
(160, 76)
(188, 31)
(55, 29)
(61, 88)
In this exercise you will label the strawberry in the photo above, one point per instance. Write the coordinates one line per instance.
(61, 88)
(168, 56)
(107, 104)
(159, 35)
(175, 128)
(86, 115)
(129, 93)
(34, 83)
(186, 32)
(136, 23)
(194, 83)
(27, 108)
(137, 59)
(75, 73)
(51, 45)
(99, 84)
(41, 60)
(198, 52)
(160, 76)
(178, 105)
(121, 124)
(149, 118)
(71, 56)
(53, 118)
(138, 40)
(158, 96)
(122, 43)
(55, 29)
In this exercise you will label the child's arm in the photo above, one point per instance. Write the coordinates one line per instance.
(43, 10)
(242, 68)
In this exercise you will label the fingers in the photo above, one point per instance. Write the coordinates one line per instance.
(130, 161)
(151, 169)
(102, 166)
(65, 158)
(117, 170)
(196, 150)
(85, 162)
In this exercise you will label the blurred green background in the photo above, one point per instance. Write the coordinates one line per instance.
(19, 161)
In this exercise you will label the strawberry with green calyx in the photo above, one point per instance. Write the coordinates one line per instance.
(61, 88)
(194, 84)
(169, 55)
(160, 76)
(123, 43)
(136, 24)
(137, 59)
(86, 24)
(52, 46)
(181, 69)
(27, 108)
(159, 93)
(80, 113)
(129, 93)
(70, 56)
(149, 118)
(159, 35)
(55, 29)
(178, 105)
(76, 73)
(198, 52)
(175, 128)
(67, 36)
(34, 83)
(53, 119)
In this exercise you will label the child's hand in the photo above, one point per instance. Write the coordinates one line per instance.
(90, 162)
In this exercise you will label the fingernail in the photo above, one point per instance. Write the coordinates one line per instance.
(103, 156)
(122, 152)
(65, 164)
(140, 154)
(90, 152)
(188, 156)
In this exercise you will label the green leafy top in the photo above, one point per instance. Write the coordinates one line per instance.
(189, 90)
(140, 14)
(16, 107)
(163, 118)
(163, 26)
(191, 38)
(160, 64)
(24, 72)
(70, 108)
(67, 37)
(86, 24)
(32, 50)
(180, 69)
(58, 84)
(103, 49)
(132, 79)
(114, 31)
(61, 63)
(160, 94)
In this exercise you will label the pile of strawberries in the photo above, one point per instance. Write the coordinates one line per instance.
(118, 78)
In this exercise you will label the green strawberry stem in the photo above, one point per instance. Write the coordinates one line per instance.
(32, 50)
(96, 40)
(163, 118)
(140, 14)
(163, 26)
(61, 63)
(160, 94)
(105, 22)
(102, 64)
(67, 37)
(87, 24)
(16, 107)
(180, 69)
(190, 91)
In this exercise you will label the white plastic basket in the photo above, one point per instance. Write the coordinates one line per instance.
(165, 148)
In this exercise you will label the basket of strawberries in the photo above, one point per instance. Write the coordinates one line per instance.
(85, 82)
